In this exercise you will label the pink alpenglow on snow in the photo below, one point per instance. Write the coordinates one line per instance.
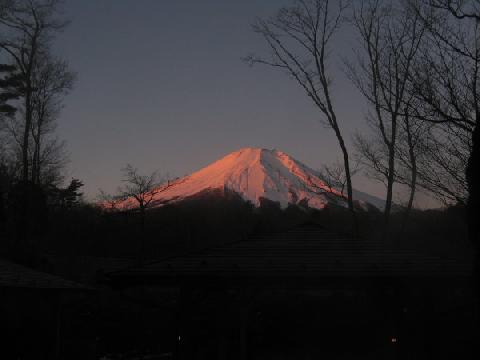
(255, 174)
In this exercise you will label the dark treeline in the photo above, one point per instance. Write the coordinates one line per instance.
(73, 227)
(82, 241)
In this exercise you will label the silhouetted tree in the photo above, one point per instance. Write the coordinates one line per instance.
(69, 196)
(27, 27)
(445, 81)
(9, 91)
(408, 152)
(299, 40)
(52, 81)
(334, 176)
(442, 157)
(142, 191)
(108, 201)
(446, 85)
(390, 37)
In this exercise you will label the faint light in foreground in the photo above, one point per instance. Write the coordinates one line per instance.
(179, 337)
(393, 340)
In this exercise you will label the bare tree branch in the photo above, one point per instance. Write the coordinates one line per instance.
(298, 39)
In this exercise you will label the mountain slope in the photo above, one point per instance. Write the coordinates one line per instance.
(256, 174)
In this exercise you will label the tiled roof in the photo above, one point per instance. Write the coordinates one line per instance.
(18, 276)
(305, 252)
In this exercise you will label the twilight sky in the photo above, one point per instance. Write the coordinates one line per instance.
(161, 85)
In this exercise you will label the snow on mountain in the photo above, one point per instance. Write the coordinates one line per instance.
(255, 173)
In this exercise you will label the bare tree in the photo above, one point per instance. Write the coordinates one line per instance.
(446, 84)
(446, 81)
(441, 162)
(334, 176)
(299, 39)
(108, 201)
(372, 154)
(411, 155)
(390, 36)
(26, 28)
(411, 140)
(142, 190)
(52, 81)
(47, 154)
(52, 160)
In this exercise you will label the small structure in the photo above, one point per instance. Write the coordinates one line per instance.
(30, 311)
(306, 293)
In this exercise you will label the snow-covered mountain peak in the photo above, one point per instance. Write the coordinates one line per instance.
(255, 174)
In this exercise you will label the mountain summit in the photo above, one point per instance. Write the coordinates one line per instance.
(256, 174)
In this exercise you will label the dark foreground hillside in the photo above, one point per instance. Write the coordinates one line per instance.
(103, 315)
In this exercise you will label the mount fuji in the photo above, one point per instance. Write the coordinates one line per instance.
(258, 174)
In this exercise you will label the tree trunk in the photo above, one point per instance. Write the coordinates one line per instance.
(23, 228)
(34, 165)
(37, 162)
(473, 209)
(390, 178)
(413, 179)
(473, 205)
(348, 178)
(388, 200)
(26, 134)
(141, 251)
(35, 170)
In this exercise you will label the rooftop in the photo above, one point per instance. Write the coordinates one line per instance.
(18, 276)
(308, 251)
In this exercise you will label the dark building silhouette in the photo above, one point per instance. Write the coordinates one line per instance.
(310, 292)
(30, 311)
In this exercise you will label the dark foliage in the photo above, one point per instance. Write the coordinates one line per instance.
(81, 242)
(10, 89)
